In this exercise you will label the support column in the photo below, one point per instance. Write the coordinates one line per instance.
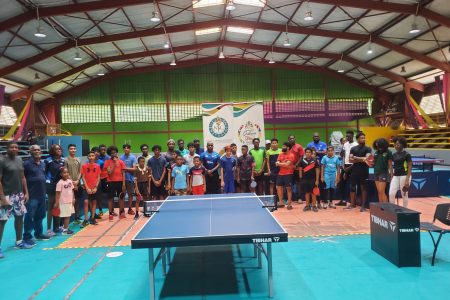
(112, 109)
(274, 105)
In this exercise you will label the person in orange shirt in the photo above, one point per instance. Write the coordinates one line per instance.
(115, 169)
(90, 173)
(284, 179)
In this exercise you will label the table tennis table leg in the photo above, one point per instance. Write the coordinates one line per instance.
(269, 268)
(151, 270)
(259, 259)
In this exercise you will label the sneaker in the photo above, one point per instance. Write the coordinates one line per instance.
(114, 214)
(1, 253)
(60, 229)
(24, 245)
(97, 217)
(131, 211)
(50, 233)
(289, 207)
(341, 203)
(349, 207)
(77, 221)
(111, 217)
(100, 213)
(84, 224)
(331, 205)
(122, 215)
(42, 237)
(314, 209)
(307, 207)
(93, 222)
(136, 216)
(363, 209)
(67, 232)
(30, 242)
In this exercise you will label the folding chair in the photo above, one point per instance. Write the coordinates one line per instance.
(442, 214)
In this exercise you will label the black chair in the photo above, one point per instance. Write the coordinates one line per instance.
(442, 214)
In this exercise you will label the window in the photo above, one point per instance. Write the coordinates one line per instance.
(181, 112)
(240, 30)
(155, 112)
(85, 113)
(7, 116)
(431, 104)
(208, 31)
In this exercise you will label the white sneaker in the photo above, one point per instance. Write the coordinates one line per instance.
(50, 233)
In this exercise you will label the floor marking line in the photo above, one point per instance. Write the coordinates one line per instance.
(56, 276)
(99, 261)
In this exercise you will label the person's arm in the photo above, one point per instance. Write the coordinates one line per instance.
(222, 183)
(408, 174)
(268, 165)
(25, 188)
(390, 168)
(187, 181)
(317, 176)
(88, 189)
(264, 163)
(3, 201)
(123, 178)
(190, 181)
(321, 173)
(300, 172)
(253, 169)
(204, 182)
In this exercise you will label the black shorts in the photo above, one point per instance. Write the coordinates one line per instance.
(273, 178)
(114, 189)
(296, 176)
(91, 197)
(157, 191)
(129, 187)
(284, 180)
(383, 177)
(104, 185)
(307, 184)
(359, 177)
(143, 189)
(259, 179)
(245, 185)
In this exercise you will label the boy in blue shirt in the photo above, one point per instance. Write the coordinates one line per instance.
(227, 167)
(330, 174)
(180, 177)
(130, 162)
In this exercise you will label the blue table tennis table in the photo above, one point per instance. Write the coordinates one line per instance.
(425, 163)
(221, 219)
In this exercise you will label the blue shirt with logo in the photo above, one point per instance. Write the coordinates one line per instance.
(228, 164)
(130, 161)
(35, 176)
(330, 164)
(210, 160)
(53, 170)
(320, 146)
(179, 173)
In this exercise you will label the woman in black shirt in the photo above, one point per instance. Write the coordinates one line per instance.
(402, 171)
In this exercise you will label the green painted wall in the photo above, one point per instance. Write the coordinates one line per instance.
(209, 83)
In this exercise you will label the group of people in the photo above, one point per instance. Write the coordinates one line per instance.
(54, 187)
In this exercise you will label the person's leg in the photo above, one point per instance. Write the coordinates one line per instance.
(2, 228)
(393, 188)
(18, 226)
(66, 222)
(39, 216)
(314, 201)
(51, 204)
(289, 196)
(93, 209)
(78, 195)
(280, 195)
(382, 191)
(363, 185)
(29, 218)
(353, 183)
(404, 195)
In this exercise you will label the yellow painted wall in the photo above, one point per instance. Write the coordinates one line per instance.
(373, 133)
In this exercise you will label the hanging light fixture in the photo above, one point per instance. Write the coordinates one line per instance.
(369, 50)
(36, 76)
(221, 56)
(403, 69)
(271, 61)
(173, 62)
(414, 29)
(286, 42)
(308, 14)
(155, 14)
(167, 45)
(77, 54)
(39, 32)
(340, 68)
(230, 5)
(101, 73)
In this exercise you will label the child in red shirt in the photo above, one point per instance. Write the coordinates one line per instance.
(90, 173)
(197, 182)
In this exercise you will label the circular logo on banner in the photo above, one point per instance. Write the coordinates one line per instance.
(248, 131)
(218, 127)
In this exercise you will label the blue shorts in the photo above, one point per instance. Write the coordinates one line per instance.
(330, 181)
(228, 186)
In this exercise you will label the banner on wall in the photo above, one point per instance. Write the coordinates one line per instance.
(239, 123)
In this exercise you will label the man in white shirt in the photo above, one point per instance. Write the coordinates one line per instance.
(346, 165)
